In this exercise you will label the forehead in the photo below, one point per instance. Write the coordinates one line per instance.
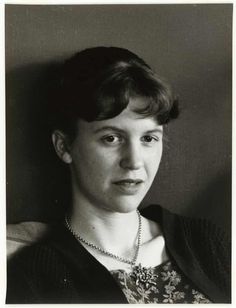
(128, 120)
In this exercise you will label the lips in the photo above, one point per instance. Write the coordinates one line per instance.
(129, 186)
(129, 182)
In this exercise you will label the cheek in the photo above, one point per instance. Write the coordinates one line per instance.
(93, 160)
(154, 160)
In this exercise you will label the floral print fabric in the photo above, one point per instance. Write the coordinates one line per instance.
(170, 287)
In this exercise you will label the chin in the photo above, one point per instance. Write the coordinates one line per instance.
(125, 206)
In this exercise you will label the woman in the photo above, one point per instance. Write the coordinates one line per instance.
(108, 118)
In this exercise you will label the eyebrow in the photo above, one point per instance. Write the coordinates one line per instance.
(110, 127)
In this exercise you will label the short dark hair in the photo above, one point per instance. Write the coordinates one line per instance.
(97, 83)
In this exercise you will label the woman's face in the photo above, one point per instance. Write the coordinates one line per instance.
(114, 161)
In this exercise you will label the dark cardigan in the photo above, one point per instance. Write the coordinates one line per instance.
(60, 270)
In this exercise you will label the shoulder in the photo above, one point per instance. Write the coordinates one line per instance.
(193, 229)
(34, 255)
(200, 248)
(36, 271)
(36, 250)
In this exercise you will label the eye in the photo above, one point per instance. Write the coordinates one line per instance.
(150, 139)
(111, 139)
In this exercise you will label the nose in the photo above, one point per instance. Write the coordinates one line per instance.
(131, 157)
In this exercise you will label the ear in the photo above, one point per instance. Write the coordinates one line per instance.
(59, 140)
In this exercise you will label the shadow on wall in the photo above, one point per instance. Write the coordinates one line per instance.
(214, 202)
(37, 182)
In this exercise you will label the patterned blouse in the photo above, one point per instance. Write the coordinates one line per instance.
(167, 285)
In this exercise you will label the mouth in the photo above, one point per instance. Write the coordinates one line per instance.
(129, 186)
(129, 182)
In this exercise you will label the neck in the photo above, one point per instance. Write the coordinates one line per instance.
(111, 231)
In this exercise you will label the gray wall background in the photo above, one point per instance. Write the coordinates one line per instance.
(189, 45)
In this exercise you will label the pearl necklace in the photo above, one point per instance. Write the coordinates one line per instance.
(140, 274)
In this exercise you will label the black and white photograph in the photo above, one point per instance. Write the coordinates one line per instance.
(118, 153)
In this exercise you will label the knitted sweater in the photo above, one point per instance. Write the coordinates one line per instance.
(60, 270)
